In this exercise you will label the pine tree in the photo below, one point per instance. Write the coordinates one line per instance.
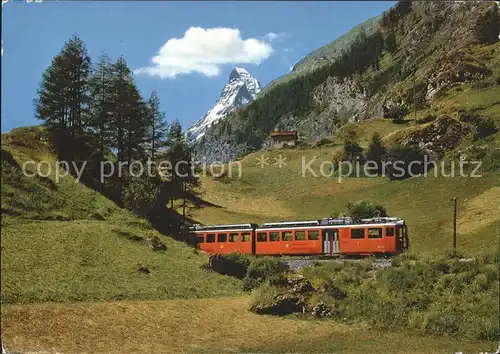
(488, 26)
(175, 135)
(390, 42)
(376, 152)
(63, 97)
(101, 92)
(128, 122)
(158, 128)
(183, 181)
(129, 117)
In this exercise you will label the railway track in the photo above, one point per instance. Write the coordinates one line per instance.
(296, 264)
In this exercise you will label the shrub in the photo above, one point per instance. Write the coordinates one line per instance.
(452, 295)
(396, 261)
(376, 152)
(364, 210)
(232, 264)
(396, 113)
(265, 269)
(484, 128)
(426, 119)
(239, 258)
(398, 159)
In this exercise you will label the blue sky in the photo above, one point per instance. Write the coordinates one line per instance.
(266, 38)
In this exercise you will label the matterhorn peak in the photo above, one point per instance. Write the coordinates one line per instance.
(241, 89)
(238, 73)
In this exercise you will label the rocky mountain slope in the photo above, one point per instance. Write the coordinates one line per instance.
(326, 54)
(418, 54)
(241, 89)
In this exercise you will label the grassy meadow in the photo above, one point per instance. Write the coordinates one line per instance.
(63, 242)
(271, 193)
(201, 326)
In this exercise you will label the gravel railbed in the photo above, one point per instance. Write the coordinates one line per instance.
(296, 264)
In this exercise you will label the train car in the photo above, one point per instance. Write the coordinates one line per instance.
(220, 239)
(289, 238)
(343, 236)
(332, 237)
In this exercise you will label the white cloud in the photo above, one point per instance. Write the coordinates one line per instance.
(271, 36)
(204, 50)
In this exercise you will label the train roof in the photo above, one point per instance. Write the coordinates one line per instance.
(297, 224)
(198, 227)
(290, 224)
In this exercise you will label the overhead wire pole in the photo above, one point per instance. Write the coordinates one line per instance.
(454, 223)
(414, 96)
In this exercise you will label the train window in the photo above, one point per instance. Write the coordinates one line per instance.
(375, 232)
(246, 236)
(300, 235)
(313, 235)
(200, 239)
(262, 237)
(286, 236)
(357, 233)
(210, 238)
(389, 231)
(221, 237)
(274, 236)
(233, 238)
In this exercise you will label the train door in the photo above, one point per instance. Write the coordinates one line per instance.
(331, 243)
(402, 241)
(254, 242)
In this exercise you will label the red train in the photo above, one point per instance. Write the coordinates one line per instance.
(388, 236)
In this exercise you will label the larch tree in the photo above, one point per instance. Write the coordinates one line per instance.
(63, 97)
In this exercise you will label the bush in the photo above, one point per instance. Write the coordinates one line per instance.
(484, 128)
(398, 159)
(426, 119)
(365, 210)
(444, 296)
(260, 270)
(375, 152)
(233, 264)
(396, 113)
(238, 258)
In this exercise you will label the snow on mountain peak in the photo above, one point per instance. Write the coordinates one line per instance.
(241, 89)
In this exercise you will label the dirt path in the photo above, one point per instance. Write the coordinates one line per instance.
(198, 325)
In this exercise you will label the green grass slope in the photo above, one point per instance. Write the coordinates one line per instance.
(272, 194)
(63, 242)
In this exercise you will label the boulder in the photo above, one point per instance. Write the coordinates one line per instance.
(156, 244)
(321, 310)
(294, 298)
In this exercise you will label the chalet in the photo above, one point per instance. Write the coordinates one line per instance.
(284, 138)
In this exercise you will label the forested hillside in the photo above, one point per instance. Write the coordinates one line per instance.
(97, 120)
(419, 55)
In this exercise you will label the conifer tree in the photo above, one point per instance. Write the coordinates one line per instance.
(129, 118)
(488, 26)
(101, 92)
(158, 128)
(376, 152)
(63, 97)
